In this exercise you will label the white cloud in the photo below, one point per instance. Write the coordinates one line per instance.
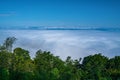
(67, 43)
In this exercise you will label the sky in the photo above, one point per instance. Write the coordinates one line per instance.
(63, 13)
(85, 13)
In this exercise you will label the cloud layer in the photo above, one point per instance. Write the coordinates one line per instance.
(75, 43)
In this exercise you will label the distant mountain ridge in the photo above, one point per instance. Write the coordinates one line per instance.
(58, 28)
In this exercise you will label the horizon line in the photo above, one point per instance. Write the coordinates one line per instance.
(60, 28)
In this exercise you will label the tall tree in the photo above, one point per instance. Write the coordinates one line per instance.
(22, 66)
(94, 66)
(8, 44)
(113, 68)
(4, 65)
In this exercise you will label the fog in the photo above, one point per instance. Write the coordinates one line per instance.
(63, 43)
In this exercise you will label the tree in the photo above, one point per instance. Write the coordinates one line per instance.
(48, 66)
(113, 68)
(4, 65)
(94, 67)
(8, 44)
(71, 70)
(22, 67)
(45, 66)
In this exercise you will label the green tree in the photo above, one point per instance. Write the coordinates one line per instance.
(71, 70)
(4, 65)
(48, 66)
(22, 66)
(17, 64)
(94, 67)
(43, 62)
(113, 68)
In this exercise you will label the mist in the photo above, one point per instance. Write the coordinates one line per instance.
(63, 43)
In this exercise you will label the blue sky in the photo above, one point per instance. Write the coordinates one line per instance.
(87, 13)
(63, 13)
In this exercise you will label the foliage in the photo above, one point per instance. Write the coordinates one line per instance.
(18, 65)
(8, 43)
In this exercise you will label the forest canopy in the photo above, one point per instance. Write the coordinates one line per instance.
(17, 64)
